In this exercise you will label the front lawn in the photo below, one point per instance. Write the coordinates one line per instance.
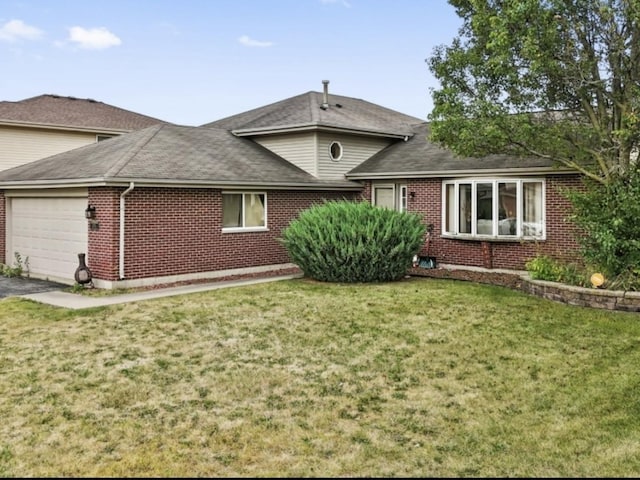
(423, 377)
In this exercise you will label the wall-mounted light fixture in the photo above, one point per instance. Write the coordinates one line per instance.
(412, 194)
(90, 212)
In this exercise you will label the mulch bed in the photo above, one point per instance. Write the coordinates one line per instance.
(245, 276)
(494, 278)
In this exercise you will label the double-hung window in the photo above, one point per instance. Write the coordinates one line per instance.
(390, 195)
(244, 211)
(498, 208)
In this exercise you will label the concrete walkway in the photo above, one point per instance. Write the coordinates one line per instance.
(76, 301)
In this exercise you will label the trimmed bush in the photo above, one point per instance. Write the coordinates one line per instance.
(342, 241)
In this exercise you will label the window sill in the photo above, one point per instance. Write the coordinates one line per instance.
(478, 238)
(244, 230)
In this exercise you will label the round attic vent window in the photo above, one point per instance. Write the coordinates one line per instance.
(335, 151)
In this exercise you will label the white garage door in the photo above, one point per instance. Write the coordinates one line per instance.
(50, 232)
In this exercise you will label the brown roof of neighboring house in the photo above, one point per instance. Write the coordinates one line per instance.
(74, 113)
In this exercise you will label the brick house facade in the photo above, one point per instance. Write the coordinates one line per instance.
(157, 195)
(560, 241)
(178, 232)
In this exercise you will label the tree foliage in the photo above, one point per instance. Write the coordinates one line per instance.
(555, 79)
(609, 214)
(349, 242)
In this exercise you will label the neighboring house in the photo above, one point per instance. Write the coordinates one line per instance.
(45, 125)
(170, 203)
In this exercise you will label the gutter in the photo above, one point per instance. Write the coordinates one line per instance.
(54, 126)
(250, 132)
(122, 220)
(461, 173)
(330, 184)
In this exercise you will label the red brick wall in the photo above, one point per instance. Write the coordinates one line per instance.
(102, 255)
(560, 233)
(173, 231)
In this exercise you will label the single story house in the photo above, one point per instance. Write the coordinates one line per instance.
(42, 126)
(172, 203)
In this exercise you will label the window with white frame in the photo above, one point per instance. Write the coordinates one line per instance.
(390, 195)
(335, 151)
(244, 210)
(499, 208)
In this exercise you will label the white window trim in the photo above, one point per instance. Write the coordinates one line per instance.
(494, 181)
(400, 192)
(339, 157)
(246, 229)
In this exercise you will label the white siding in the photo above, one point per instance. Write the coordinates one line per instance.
(356, 149)
(23, 145)
(297, 148)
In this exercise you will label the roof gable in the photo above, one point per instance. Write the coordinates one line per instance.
(309, 110)
(71, 112)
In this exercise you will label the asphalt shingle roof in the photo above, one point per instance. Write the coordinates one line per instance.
(56, 110)
(215, 154)
(172, 154)
(305, 111)
(420, 157)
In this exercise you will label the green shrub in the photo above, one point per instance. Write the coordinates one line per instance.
(19, 267)
(628, 280)
(608, 216)
(543, 267)
(342, 241)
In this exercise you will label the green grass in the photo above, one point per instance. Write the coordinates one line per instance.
(422, 377)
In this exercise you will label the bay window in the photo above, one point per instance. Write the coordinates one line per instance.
(244, 211)
(497, 208)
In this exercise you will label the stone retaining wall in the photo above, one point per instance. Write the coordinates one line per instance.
(520, 280)
(585, 297)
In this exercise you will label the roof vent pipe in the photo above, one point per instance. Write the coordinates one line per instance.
(325, 98)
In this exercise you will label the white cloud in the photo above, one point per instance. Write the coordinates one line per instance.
(249, 42)
(93, 38)
(15, 30)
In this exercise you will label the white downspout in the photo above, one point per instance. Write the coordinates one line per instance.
(122, 218)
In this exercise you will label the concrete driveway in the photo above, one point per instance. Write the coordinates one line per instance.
(14, 286)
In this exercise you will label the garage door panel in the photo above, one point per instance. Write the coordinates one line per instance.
(50, 232)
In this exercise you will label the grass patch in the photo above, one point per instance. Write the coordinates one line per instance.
(423, 377)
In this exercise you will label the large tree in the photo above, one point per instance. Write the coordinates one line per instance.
(557, 79)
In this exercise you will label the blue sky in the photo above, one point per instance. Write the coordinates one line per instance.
(194, 61)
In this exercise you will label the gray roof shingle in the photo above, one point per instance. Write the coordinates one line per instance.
(169, 154)
(71, 112)
(214, 155)
(306, 111)
(419, 157)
